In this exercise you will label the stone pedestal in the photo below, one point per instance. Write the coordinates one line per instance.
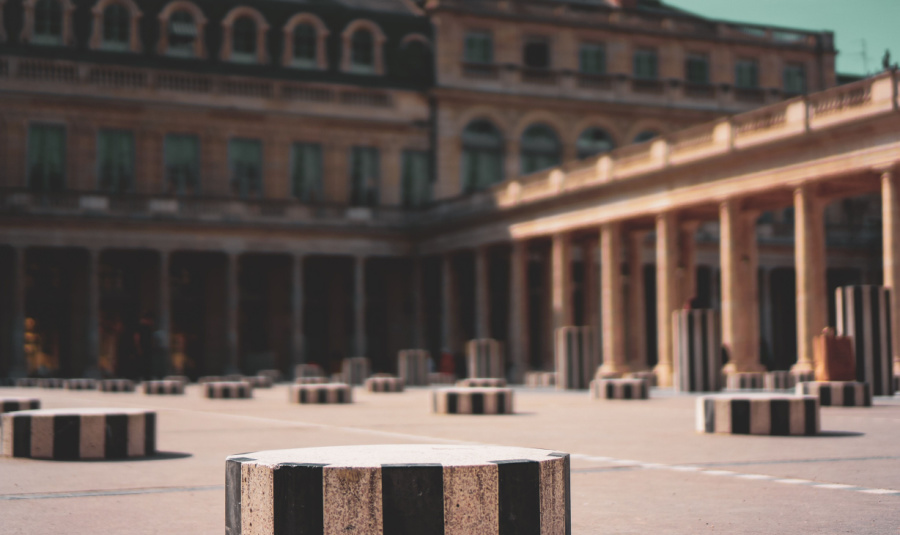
(259, 381)
(745, 381)
(19, 404)
(384, 384)
(311, 380)
(69, 434)
(441, 378)
(758, 414)
(838, 393)
(355, 370)
(322, 393)
(412, 366)
(619, 389)
(484, 358)
(472, 400)
(228, 390)
(698, 350)
(864, 314)
(163, 387)
(577, 357)
(399, 490)
(482, 382)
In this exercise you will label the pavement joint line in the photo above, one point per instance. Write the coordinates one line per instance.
(101, 493)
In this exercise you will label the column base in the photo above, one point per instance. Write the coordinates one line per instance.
(736, 367)
(897, 368)
(803, 367)
(664, 374)
(610, 370)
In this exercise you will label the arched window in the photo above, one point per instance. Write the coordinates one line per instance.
(116, 28)
(540, 148)
(243, 40)
(182, 31)
(646, 135)
(304, 42)
(362, 51)
(594, 141)
(305, 45)
(48, 23)
(482, 156)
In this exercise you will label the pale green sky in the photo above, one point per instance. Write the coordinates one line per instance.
(876, 21)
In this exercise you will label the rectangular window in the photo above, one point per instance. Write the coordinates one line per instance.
(416, 178)
(746, 74)
(645, 64)
(479, 47)
(115, 161)
(536, 53)
(306, 172)
(794, 79)
(182, 154)
(46, 157)
(696, 69)
(364, 176)
(245, 161)
(592, 59)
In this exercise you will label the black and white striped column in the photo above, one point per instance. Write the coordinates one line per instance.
(355, 370)
(482, 382)
(259, 381)
(115, 385)
(19, 404)
(274, 375)
(837, 393)
(163, 387)
(26, 382)
(484, 358)
(67, 434)
(311, 380)
(399, 490)
(183, 378)
(472, 400)
(785, 380)
(697, 344)
(577, 356)
(745, 380)
(539, 379)
(321, 393)
(864, 314)
(51, 382)
(81, 384)
(758, 414)
(619, 389)
(384, 384)
(412, 366)
(227, 390)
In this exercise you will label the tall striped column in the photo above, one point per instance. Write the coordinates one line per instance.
(864, 314)
(412, 366)
(577, 357)
(484, 358)
(698, 350)
(355, 370)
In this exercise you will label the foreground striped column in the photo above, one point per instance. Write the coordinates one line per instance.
(355, 370)
(577, 357)
(758, 414)
(384, 384)
(482, 382)
(398, 490)
(163, 387)
(81, 384)
(785, 380)
(619, 389)
(68, 434)
(863, 313)
(745, 380)
(19, 404)
(323, 393)
(698, 350)
(472, 400)
(115, 385)
(837, 393)
(484, 358)
(412, 366)
(538, 379)
(228, 390)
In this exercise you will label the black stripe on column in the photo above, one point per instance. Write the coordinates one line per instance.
(342, 396)
(825, 395)
(610, 391)
(519, 490)
(740, 417)
(150, 433)
(501, 402)
(709, 415)
(780, 416)
(233, 495)
(413, 498)
(810, 416)
(568, 488)
(858, 334)
(867, 395)
(209, 391)
(298, 506)
(873, 330)
(477, 400)
(21, 436)
(452, 402)
(116, 442)
(627, 391)
(849, 395)
(322, 396)
(66, 437)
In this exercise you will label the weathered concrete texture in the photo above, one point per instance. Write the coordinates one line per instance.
(758, 414)
(838, 393)
(472, 400)
(399, 489)
(321, 393)
(619, 389)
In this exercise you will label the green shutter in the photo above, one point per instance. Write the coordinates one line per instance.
(182, 154)
(306, 172)
(246, 166)
(46, 157)
(115, 161)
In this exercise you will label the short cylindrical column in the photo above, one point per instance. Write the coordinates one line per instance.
(232, 304)
(890, 220)
(19, 404)
(561, 278)
(612, 300)
(484, 358)
(482, 294)
(228, 390)
(620, 389)
(577, 357)
(863, 315)
(472, 400)
(666, 293)
(698, 360)
(321, 393)
(297, 338)
(398, 489)
(518, 309)
(92, 316)
(810, 264)
(758, 414)
(355, 370)
(412, 366)
(384, 384)
(163, 387)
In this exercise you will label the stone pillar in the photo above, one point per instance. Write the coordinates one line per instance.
(18, 367)
(666, 293)
(591, 304)
(810, 264)
(482, 294)
(765, 312)
(740, 304)
(518, 310)
(92, 318)
(418, 304)
(687, 264)
(612, 301)
(359, 305)
(890, 218)
(637, 321)
(232, 302)
(297, 335)
(165, 315)
(561, 279)
(448, 304)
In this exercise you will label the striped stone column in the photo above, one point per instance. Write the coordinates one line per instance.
(698, 351)
(163, 387)
(538, 379)
(864, 314)
(228, 390)
(308, 370)
(760, 414)
(577, 357)
(19, 404)
(81, 384)
(115, 385)
(355, 370)
(745, 380)
(785, 380)
(837, 393)
(384, 384)
(482, 382)
(399, 490)
(472, 400)
(412, 366)
(321, 393)
(619, 389)
(484, 358)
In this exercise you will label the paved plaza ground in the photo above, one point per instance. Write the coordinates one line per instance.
(638, 466)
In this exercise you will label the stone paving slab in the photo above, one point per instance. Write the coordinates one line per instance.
(636, 468)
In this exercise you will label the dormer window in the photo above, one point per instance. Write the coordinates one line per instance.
(116, 28)
(304, 42)
(363, 43)
(182, 34)
(48, 23)
(181, 26)
(244, 36)
(243, 41)
(304, 46)
(362, 57)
